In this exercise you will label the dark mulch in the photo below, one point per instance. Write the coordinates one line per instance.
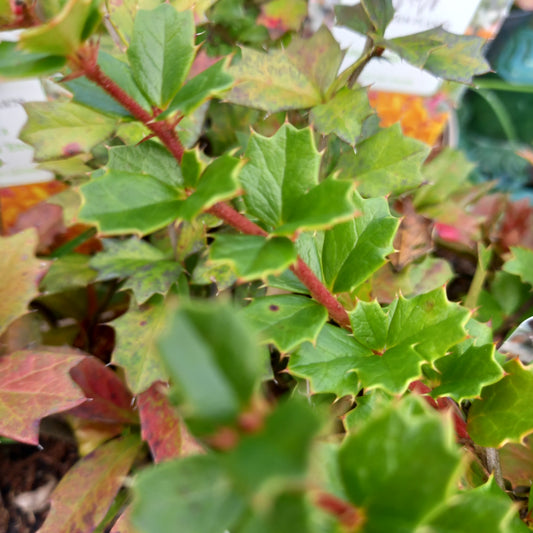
(25, 469)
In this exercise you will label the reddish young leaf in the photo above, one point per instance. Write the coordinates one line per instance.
(162, 427)
(84, 495)
(35, 384)
(20, 272)
(110, 400)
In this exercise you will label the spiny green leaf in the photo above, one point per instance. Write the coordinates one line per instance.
(207, 502)
(354, 250)
(330, 364)
(386, 163)
(380, 13)
(161, 52)
(343, 115)
(140, 192)
(16, 63)
(388, 347)
(146, 269)
(253, 257)
(63, 34)
(378, 460)
(286, 320)
(59, 129)
(466, 370)
(213, 361)
(271, 82)
(211, 82)
(354, 17)
(319, 57)
(415, 48)
(459, 59)
(281, 183)
(503, 414)
(135, 351)
(521, 263)
(428, 321)
(486, 508)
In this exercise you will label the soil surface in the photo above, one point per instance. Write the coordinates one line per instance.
(28, 474)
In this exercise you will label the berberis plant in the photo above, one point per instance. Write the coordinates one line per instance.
(253, 343)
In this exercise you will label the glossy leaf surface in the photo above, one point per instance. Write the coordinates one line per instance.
(161, 52)
(286, 320)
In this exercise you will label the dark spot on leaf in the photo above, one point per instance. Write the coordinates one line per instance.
(143, 323)
(273, 307)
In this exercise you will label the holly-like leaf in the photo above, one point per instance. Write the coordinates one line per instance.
(63, 34)
(59, 129)
(520, 263)
(16, 63)
(281, 183)
(21, 272)
(485, 508)
(161, 52)
(466, 371)
(135, 351)
(280, 16)
(207, 502)
(271, 82)
(330, 364)
(319, 57)
(140, 192)
(373, 463)
(503, 414)
(162, 427)
(386, 163)
(253, 257)
(211, 82)
(35, 384)
(146, 269)
(415, 48)
(109, 400)
(388, 346)
(368, 16)
(343, 115)
(460, 57)
(214, 363)
(352, 251)
(85, 493)
(286, 320)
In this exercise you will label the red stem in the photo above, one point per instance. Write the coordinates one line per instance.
(86, 61)
(321, 294)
